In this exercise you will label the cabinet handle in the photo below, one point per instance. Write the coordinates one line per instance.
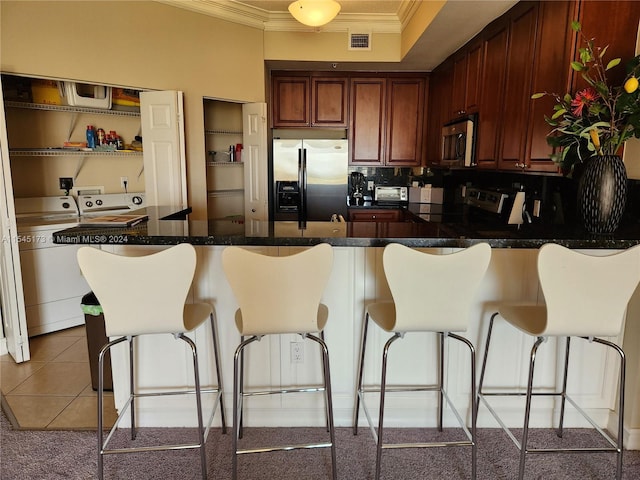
(253, 210)
(373, 216)
(521, 165)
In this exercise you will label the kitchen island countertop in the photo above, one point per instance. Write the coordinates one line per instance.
(163, 229)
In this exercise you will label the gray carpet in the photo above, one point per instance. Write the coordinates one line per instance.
(51, 455)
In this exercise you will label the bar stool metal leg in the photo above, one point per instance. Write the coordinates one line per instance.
(329, 401)
(134, 432)
(527, 408)
(563, 398)
(216, 353)
(196, 377)
(383, 384)
(441, 379)
(359, 391)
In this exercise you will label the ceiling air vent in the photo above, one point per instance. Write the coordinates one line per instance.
(359, 41)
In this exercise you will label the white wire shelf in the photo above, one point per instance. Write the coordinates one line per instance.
(222, 132)
(63, 152)
(70, 109)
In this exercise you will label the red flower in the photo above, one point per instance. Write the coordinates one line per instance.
(583, 98)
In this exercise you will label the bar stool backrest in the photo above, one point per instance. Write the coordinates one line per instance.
(278, 294)
(434, 292)
(586, 295)
(140, 295)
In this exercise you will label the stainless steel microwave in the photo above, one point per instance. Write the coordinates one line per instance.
(458, 143)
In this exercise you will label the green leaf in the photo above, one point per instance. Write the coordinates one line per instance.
(537, 95)
(575, 26)
(577, 66)
(603, 51)
(559, 113)
(612, 63)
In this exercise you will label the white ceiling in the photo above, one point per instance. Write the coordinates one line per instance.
(457, 22)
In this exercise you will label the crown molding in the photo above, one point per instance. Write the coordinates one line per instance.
(283, 21)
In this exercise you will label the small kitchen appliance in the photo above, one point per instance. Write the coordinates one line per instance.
(391, 194)
(356, 186)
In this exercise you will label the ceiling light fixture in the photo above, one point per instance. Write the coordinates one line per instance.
(314, 13)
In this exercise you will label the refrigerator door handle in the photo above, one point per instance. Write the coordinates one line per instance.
(302, 181)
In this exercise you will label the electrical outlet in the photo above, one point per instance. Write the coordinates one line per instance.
(124, 182)
(66, 183)
(370, 185)
(297, 352)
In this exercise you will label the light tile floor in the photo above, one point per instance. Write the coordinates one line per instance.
(53, 391)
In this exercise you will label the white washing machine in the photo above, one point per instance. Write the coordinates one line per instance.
(52, 282)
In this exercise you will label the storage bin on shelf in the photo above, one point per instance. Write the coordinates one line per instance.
(87, 95)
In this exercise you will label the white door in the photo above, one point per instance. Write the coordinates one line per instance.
(14, 318)
(254, 156)
(165, 173)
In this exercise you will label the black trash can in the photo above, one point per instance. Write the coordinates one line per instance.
(96, 339)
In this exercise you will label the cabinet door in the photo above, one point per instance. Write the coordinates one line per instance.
(517, 93)
(329, 96)
(550, 74)
(375, 215)
(459, 95)
(474, 76)
(256, 185)
(405, 121)
(367, 120)
(493, 77)
(439, 102)
(290, 101)
(165, 171)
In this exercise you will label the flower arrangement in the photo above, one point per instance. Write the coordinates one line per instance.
(598, 119)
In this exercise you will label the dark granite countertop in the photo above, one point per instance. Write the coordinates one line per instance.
(169, 226)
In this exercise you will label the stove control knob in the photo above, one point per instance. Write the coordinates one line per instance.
(137, 200)
(88, 204)
(66, 205)
(98, 202)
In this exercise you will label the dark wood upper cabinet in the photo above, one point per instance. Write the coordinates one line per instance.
(367, 120)
(405, 121)
(517, 92)
(439, 110)
(459, 85)
(474, 76)
(290, 101)
(309, 101)
(387, 120)
(492, 93)
(329, 96)
(551, 73)
(466, 81)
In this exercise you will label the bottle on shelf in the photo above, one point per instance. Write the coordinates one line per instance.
(101, 137)
(238, 152)
(232, 153)
(91, 136)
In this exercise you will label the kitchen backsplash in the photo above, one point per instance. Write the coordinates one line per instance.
(557, 194)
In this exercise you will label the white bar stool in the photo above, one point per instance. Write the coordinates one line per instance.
(141, 296)
(279, 295)
(431, 293)
(586, 297)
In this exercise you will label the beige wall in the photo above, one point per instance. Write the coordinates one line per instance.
(139, 44)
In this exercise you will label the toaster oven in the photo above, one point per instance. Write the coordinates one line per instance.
(389, 194)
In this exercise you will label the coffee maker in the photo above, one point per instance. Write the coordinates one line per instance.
(356, 188)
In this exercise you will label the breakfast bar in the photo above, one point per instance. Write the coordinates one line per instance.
(358, 279)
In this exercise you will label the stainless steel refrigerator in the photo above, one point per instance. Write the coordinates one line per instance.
(310, 179)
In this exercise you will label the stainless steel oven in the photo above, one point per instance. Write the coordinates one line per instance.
(458, 143)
